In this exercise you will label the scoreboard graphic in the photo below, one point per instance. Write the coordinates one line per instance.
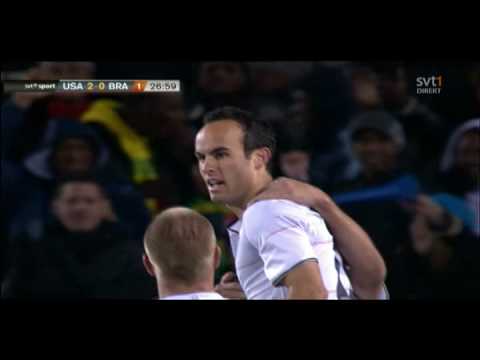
(92, 86)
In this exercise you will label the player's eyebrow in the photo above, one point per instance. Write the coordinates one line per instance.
(213, 151)
(219, 149)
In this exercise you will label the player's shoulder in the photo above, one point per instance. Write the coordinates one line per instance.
(272, 212)
(274, 207)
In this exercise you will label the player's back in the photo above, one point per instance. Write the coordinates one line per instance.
(274, 236)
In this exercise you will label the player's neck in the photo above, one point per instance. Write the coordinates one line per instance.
(262, 183)
(173, 287)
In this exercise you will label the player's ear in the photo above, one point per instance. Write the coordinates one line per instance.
(261, 157)
(217, 257)
(148, 265)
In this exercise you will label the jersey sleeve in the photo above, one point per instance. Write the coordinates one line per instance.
(279, 236)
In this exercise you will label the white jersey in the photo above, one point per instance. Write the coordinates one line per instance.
(195, 296)
(273, 237)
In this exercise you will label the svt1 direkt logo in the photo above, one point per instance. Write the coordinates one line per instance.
(430, 85)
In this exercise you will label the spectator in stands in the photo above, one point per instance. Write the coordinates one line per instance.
(377, 140)
(325, 102)
(294, 161)
(424, 130)
(385, 86)
(26, 115)
(12, 197)
(219, 84)
(82, 253)
(150, 140)
(365, 87)
(460, 167)
(458, 100)
(442, 258)
(71, 148)
(270, 77)
(274, 87)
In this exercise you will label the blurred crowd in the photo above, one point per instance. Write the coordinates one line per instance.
(82, 175)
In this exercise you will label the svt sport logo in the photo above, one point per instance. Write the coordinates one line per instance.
(430, 85)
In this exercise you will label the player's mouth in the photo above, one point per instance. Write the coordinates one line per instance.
(214, 185)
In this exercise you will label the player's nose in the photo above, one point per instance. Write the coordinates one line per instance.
(208, 166)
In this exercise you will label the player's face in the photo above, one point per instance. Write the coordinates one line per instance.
(80, 206)
(226, 170)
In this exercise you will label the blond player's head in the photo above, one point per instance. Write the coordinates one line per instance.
(180, 246)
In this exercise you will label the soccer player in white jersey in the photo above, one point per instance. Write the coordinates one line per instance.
(282, 249)
(181, 253)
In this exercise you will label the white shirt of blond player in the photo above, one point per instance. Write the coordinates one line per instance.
(274, 236)
(195, 296)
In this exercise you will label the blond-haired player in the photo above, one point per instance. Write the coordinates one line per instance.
(182, 254)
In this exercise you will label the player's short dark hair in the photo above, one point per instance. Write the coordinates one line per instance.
(257, 133)
(78, 178)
